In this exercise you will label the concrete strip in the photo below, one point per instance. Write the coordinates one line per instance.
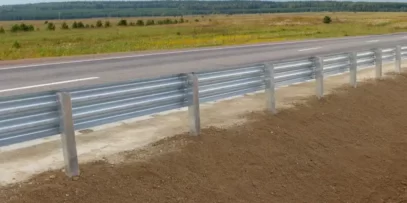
(19, 162)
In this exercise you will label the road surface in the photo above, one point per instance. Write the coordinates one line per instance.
(19, 77)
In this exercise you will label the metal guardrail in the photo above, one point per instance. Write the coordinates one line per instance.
(34, 116)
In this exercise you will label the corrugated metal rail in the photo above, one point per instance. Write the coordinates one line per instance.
(34, 116)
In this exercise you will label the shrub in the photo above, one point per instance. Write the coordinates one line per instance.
(178, 33)
(81, 25)
(327, 20)
(196, 20)
(64, 26)
(22, 27)
(99, 23)
(30, 28)
(87, 26)
(107, 24)
(140, 23)
(2, 31)
(92, 26)
(122, 22)
(46, 22)
(150, 22)
(16, 45)
(74, 25)
(168, 21)
(132, 24)
(181, 20)
(50, 26)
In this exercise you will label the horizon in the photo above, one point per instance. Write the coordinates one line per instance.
(20, 2)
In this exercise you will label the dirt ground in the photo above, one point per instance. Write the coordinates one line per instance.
(350, 146)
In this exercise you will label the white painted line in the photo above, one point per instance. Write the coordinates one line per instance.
(309, 49)
(152, 54)
(372, 41)
(48, 84)
(180, 52)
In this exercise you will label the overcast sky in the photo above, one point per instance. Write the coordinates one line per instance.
(8, 2)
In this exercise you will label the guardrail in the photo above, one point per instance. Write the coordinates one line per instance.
(29, 117)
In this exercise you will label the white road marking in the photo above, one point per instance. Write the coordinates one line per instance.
(309, 49)
(152, 54)
(48, 84)
(372, 41)
(176, 52)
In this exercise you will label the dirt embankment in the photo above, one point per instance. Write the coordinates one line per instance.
(349, 147)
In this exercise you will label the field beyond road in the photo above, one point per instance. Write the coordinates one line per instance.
(188, 32)
(350, 146)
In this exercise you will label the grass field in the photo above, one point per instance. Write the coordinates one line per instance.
(199, 31)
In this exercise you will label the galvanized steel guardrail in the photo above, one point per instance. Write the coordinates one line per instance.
(34, 116)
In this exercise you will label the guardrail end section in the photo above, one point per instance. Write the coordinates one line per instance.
(68, 134)
(319, 76)
(353, 69)
(193, 107)
(270, 87)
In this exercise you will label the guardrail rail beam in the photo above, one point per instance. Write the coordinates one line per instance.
(68, 134)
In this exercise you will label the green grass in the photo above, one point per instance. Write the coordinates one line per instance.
(209, 31)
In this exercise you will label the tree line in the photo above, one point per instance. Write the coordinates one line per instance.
(92, 9)
(22, 27)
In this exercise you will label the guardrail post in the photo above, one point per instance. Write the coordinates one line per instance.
(193, 107)
(353, 69)
(319, 76)
(68, 134)
(270, 87)
(378, 62)
(397, 62)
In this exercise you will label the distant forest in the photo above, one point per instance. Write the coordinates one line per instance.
(75, 10)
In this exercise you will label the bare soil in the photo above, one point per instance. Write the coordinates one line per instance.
(350, 146)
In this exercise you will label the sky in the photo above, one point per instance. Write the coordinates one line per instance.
(11, 2)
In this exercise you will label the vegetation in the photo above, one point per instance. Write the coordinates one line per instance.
(22, 28)
(122, 22)
(64, 26)
(2, 31)
(168, 32)
(99, 23)
(121, 9)
(50, 26)
(327, 20)
(107, 24)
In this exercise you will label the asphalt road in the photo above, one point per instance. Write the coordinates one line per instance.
(22, 77)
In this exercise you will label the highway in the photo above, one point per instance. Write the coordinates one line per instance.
(20, 77)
